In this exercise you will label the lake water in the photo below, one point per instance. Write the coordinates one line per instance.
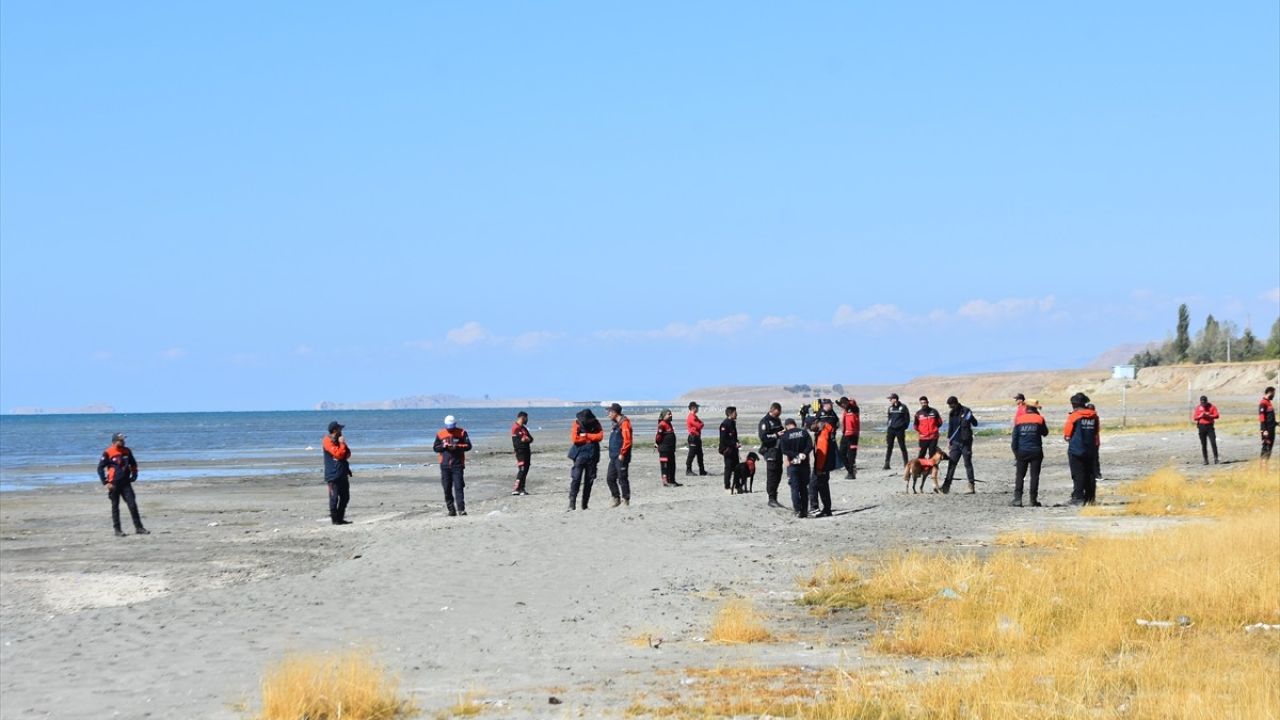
(38, 450)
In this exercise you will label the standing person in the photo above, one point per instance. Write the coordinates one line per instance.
(960, 425)
(899, 420)
(586, 435)
(851, 427)
(693, 424)
(453, 444)
(796, 446)
(665, 442)
(1267, 422)
(1082, 432)
(1204, 416)
(1028, 451)
(619, 457)
(928, 425)
(521, 439)
(118, 470)
(769, 433)
(1097, 460)
(824, 461)
(1019, 406)
(337, 473)
(729, 445)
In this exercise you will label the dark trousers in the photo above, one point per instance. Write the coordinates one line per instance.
(124, 490)
(1084, 476)
(695, 451)
(772, 476)
(730, 466)
(820, 490)
(1023, 463)
(901, 437)
(582, 476)
(798, 479)
(522, 471)
(667, 466)
(1208, 436)
(452, 483)
(928, 448)
(617, 477)
(1268, 439)
(339, 496)
(849, 449)
(955, 453)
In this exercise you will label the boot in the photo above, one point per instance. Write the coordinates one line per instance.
(973, 488)
(1016, 501)
(120, 533)
(1035, 502)
(886, 466)
(139, 530)
(626, 502)
(573, 504)
(616, 502)
(773, 503)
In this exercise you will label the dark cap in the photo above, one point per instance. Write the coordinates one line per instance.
(843, 401)
(615, 407)
(893, 396)
(335, 425)
(693, 405)
(1020, 396)
(1204, 398)
(953, 400)
(118, 437)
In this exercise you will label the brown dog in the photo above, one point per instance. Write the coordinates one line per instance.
(917, 470)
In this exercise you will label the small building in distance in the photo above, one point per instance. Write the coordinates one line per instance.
(1124, 372)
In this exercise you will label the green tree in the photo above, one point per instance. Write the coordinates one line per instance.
(1182, 343)
(1272, 351)
(1250, 348)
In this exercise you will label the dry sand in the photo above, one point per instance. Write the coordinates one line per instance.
(518, 602)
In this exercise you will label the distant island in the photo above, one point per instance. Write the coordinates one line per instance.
(96, 408)
(441, 400)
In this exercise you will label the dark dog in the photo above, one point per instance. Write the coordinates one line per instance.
(919, 468)
(744, 477)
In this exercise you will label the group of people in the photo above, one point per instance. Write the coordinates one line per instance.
(806, 450)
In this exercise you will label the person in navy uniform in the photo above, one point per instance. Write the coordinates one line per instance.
(117, 469)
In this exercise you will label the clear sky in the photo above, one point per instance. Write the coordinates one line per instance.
(265, 205)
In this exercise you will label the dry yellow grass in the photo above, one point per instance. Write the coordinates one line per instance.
(1168, 493)
(467, 706)
(350, 686)
(738, 622)
(1027, 539)
(1048, 623)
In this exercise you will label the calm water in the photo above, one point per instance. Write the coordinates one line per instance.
(37, 450)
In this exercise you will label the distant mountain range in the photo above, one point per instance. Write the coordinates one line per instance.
(83, 410)
(440, 400)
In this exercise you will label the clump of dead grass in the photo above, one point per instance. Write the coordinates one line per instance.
(1167, 492)
(738, 622)
(349, 686)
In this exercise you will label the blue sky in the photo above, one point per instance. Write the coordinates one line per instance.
(249, 206)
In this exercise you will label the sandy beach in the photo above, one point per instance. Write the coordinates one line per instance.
(516, 603)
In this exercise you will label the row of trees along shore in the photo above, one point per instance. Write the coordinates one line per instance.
(1214, 343)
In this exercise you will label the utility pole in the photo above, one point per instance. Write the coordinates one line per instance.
(1124, 405)
(1228, 347)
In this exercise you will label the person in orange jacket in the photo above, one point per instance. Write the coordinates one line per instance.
(1083, 433)
(117, 469)
(851, 423)
(521, 439)
(1204, 417)
(825, 459)
(665, 442)
(1267, 424)
(693, 425)
(619, 457)
(453, 444)
(586, 434)
(337, 473)
(928, 424)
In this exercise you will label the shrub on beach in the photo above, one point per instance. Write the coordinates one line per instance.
(738, 622)
(350, 686)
